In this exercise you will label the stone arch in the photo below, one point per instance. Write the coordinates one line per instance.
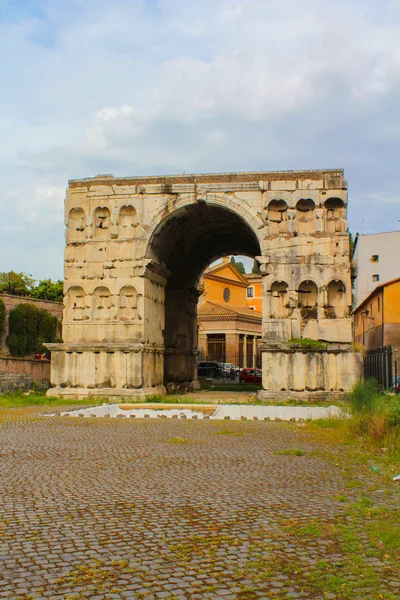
(277, 216)
(76, 222)
(279, 300)
(336, 304)
(128, 303)
(237, 207)
(102, 304)
(182, 244)
(305, 216)
(75, 304)
(101, 221)
(127, 221)
(335, 215)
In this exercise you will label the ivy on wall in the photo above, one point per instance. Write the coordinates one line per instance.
(30, 328)
(2, 315)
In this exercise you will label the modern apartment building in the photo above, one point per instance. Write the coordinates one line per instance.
(375, 261)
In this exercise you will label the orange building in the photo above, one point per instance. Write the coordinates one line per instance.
(377, 319)
(254, 291)
(228, 329)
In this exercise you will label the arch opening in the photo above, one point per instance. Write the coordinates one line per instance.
(184, 244)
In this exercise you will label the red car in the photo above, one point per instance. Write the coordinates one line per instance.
(250, 376)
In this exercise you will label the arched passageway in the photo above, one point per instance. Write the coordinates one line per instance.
(184, 244)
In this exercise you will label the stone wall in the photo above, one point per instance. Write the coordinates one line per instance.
(20, 373)
(54, 308)
(14, 382)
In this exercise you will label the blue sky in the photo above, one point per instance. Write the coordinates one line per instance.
(135, 87)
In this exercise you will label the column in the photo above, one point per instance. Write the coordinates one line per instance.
(244, 350)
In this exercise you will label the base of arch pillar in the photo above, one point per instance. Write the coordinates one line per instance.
(105, 393)
(307, 374)
(301, 397)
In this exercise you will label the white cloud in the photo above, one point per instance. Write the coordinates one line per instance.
(43, 203)
(135, 87)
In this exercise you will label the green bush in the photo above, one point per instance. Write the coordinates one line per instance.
(30, 328)
(364, 397)
(2, 315)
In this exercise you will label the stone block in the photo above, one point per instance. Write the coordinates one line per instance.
(100, 190)
(335, 330)
(311, 184)
(311, 330)
(124, 190)
(284, 185)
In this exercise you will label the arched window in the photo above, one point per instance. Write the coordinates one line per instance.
(305, 215)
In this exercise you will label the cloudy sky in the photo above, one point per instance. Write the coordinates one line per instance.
(134, 87)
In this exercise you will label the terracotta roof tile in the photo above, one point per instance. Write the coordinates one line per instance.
(213, 308)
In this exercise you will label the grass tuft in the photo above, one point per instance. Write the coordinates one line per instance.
(293, 452)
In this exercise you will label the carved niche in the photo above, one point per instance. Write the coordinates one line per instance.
(76, 223)
(75, 304)
(127, 221)
(102, 304)
(305, 216)
(128, 304)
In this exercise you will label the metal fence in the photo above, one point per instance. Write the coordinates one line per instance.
(378, 364)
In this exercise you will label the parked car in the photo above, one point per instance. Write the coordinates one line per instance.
(250, 376)
(209, 369)
(230, 368)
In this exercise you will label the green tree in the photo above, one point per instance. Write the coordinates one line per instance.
(30, 328)
(239, 265)
(2, 315)
(256, 268)
(16, 284)
(48, 290)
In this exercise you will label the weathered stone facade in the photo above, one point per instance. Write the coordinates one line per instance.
(136, 248)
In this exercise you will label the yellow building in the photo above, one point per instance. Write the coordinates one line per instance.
(228, 329)
(377, 319)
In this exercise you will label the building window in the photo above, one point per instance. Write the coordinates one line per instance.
(227, 295)
(379, 304)
(375, 258)
(375, 277)
(250, 292)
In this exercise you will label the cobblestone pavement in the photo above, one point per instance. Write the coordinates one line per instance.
(111, 508)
